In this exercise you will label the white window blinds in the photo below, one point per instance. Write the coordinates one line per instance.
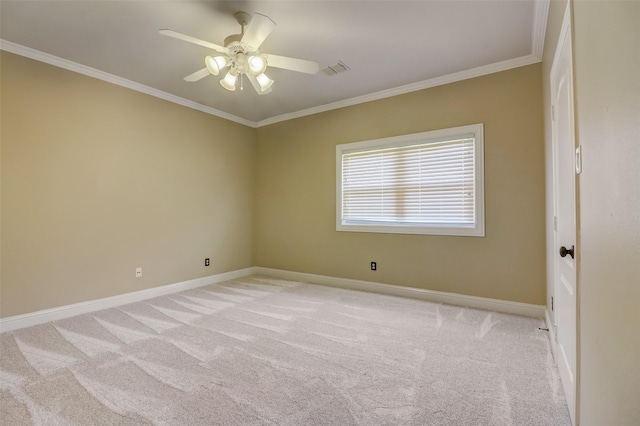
(418, 184)
(424, 182)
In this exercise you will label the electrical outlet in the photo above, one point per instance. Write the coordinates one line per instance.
(207, 262)
(374, 266)
(138, 272)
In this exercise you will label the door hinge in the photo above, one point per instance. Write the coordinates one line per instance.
(551, 303)
(555, 223)
(553, 113)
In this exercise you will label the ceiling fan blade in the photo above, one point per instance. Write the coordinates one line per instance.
(293, 64)
(171, 33)
(256, 85)
(200, 74)
(258, 30)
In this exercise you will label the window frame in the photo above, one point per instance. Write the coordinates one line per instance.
(477, 230)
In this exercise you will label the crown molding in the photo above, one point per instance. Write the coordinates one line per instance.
(413, 87)
(540, 15)
(114, 79)
(539, 29)
(541, 10)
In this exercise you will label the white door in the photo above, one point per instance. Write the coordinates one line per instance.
(565, 316)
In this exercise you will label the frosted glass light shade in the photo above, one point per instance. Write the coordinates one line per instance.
(257, 65)
(229, 82)
(214, 65)
(264, 81)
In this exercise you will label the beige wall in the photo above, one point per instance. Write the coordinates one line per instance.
(98, 180)
(295, 192)
(607, 89)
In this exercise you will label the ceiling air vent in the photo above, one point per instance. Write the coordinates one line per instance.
(337, 68)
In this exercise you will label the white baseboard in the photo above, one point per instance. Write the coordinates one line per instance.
(525, 309)
(40, 317)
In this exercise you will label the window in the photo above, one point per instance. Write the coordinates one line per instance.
(424, 183)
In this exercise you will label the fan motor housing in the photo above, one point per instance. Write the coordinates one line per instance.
(232, 41)
(235, 46)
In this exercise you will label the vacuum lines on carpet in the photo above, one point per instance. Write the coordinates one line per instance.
(263, 351)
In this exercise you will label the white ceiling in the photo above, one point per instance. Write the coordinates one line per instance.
(391, 47)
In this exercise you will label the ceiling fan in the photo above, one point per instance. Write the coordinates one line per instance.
(242, 56)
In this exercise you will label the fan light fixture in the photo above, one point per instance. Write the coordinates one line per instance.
(229, 81)
(214, 65)
(241, 64)
(241, 56)
(264, 81)
(242, 59)
(257, 64)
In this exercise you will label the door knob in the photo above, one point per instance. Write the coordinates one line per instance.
(564, 251)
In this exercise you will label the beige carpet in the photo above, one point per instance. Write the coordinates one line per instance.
(262, 351)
